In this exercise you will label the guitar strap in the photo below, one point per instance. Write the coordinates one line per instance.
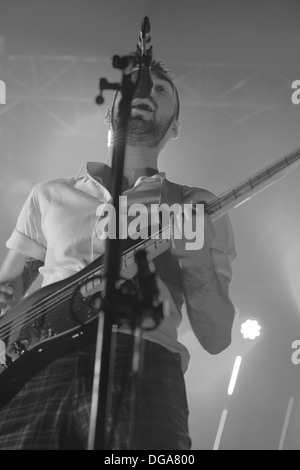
(171, 193)
(166, 265)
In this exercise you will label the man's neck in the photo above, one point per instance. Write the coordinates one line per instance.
(139, 161)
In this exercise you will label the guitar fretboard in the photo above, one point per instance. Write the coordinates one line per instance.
(248, 188)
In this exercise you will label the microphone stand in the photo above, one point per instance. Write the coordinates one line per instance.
(101, 401)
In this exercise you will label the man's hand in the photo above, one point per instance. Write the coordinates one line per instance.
(6, 297)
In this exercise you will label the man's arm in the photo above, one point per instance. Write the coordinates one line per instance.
(12, 266)
(16, 275)
(210, 311)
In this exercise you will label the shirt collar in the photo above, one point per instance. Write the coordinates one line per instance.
(91, 170)
(94, 169)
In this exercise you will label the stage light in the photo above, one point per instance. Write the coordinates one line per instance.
(234, 375)
(250, 329)
(220, 429)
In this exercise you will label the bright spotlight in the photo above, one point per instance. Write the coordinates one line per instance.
(250, 329)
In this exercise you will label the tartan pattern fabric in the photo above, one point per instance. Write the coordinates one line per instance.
(52, 411)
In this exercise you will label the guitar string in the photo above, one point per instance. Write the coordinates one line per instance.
(34, 315)
(23, 323)
(33, 312)
(23, 326)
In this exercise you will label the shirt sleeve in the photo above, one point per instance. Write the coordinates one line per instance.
(27, 237)
(223, 245)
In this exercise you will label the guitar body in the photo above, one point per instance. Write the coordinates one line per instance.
(37, 357)
(56, 320)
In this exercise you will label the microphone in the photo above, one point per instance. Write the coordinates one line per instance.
(144, 53)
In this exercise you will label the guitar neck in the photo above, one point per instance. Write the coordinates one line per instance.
(244, 191)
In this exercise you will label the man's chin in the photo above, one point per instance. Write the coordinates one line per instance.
(140, 125)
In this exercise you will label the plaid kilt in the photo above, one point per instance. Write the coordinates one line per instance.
(52, 411)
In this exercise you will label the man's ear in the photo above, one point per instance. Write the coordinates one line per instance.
(107, 119)
(172, 133)
(175, 128)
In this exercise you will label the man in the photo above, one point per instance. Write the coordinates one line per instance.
(60, 226)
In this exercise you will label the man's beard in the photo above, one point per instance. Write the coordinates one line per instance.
(145, 133)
